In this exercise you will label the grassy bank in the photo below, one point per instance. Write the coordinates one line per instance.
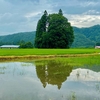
(18, 54)
(24, 52)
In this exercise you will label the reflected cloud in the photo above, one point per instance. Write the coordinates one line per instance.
(84, 75)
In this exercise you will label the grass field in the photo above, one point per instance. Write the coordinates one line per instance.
(73, 56)
(23, 52)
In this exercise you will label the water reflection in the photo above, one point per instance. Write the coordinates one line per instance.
(54, 72)
(39, 81)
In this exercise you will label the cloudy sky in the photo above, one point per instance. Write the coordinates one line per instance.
(22, 15)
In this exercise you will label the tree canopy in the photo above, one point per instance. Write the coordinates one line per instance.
(54, 31)
(26, 45)
(98, 44)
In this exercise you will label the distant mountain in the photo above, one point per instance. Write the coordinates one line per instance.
(84, 37)
(17, 38)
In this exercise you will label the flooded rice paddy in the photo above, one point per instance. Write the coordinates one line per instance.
(49, 80)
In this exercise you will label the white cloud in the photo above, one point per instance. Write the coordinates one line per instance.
(88, 3)
(92, 12)
(83, 20)
(23, 15)
(33, 14)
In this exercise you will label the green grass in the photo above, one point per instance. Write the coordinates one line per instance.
(78, 57)
(81, 61)
(85, 61)
(23, 52)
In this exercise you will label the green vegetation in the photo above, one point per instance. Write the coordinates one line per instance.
(88, 62)
(41, 30)
(98, 44)
(86, 37)
(23, 52)
(81, 61)
(54, 31)
(18, 38)
(82, 40)
(73, 57)
(26, 45)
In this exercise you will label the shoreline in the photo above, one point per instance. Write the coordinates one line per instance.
(35, 57)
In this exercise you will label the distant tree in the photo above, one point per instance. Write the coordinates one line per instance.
(98, 44)
(56, 32)
(26, 45)
(21, 42)
(60, 12)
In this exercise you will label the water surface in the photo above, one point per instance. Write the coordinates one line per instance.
(49, 81)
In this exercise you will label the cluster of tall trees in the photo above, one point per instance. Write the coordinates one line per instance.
(54, 31)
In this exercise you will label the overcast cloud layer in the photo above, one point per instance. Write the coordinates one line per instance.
(22, 15)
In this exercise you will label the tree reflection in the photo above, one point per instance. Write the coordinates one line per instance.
(53, 72)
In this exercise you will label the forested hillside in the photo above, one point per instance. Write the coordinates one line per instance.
(84, 37)
(17, 38)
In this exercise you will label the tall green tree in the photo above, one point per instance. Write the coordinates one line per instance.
(41, 29)
(58, 32)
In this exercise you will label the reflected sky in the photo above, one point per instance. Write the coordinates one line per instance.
(51, 81)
